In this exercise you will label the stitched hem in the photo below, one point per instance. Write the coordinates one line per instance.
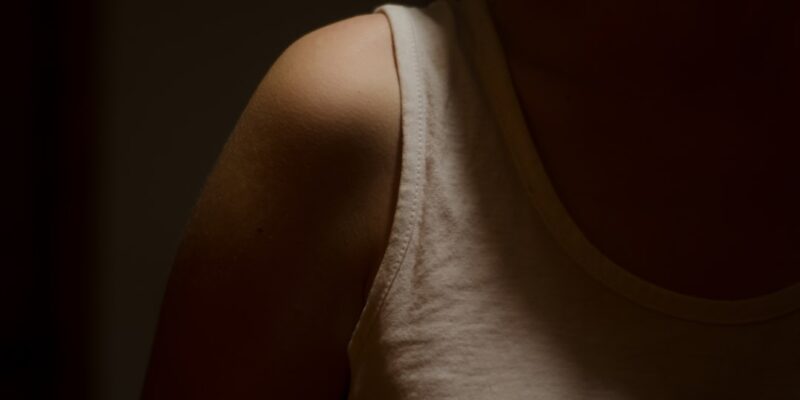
(407, 213)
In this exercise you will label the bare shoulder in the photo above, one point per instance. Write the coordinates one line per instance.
(331, 104)
(339, 85)
(335, 92)
(269, 278)
(342, 74)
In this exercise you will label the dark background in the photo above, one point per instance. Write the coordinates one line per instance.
(118, 109)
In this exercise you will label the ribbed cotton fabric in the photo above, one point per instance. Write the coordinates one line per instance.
(488, 290)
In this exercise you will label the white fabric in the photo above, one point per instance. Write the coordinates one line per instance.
(488, 290)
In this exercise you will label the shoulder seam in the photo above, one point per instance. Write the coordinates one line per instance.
(401, 235)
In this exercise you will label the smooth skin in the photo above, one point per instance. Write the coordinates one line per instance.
(272, 273)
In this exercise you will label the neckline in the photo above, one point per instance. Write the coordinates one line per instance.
(482, 45)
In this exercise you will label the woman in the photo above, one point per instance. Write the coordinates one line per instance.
(503, 199)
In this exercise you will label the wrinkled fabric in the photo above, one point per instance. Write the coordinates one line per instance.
(477, 297)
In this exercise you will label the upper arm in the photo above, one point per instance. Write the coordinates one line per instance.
(267, 284)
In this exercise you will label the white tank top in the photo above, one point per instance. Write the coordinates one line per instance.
(488, 290)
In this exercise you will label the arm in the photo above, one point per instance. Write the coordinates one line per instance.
(269, 279)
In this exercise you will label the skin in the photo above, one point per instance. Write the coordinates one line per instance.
(669, 131)
(272, 272)
(665, 127)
